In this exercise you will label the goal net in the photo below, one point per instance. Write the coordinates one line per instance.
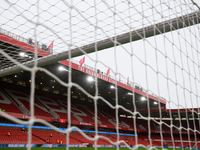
(148, 50)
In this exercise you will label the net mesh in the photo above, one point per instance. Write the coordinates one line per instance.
(147, 50)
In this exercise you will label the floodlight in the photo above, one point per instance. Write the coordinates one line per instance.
(143, 98)
(90, 79)
(61, 68)
(22, 54)
(129, 93)
(112, 87)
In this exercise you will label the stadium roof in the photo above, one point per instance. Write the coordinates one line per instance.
(22, 50)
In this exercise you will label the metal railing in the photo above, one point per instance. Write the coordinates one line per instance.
(22, 39)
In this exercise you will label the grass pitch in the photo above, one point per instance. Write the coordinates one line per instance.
(75, 148)
(63, 148)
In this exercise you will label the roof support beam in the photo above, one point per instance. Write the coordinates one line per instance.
(163, 27)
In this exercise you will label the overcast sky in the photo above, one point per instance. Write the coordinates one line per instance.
(65, 27)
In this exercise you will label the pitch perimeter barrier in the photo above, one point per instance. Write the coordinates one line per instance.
(49, 128)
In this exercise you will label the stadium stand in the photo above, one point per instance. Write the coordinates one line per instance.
(42, 136)
(16, 102)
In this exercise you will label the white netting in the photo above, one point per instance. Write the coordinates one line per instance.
(163, 60)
